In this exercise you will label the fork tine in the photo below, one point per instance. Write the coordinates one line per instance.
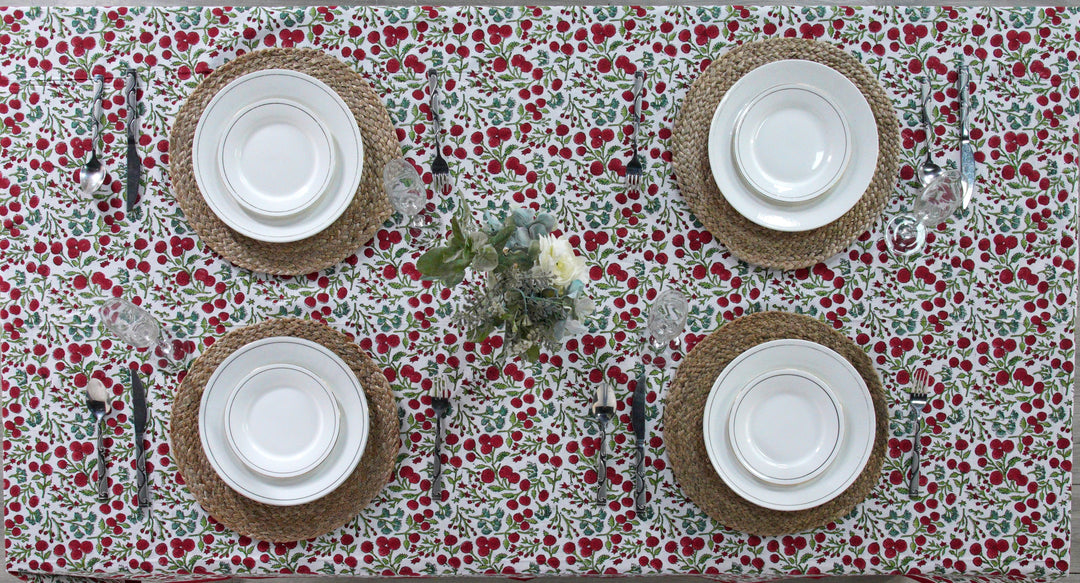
(922, 381)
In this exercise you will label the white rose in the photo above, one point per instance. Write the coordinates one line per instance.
(558, 259)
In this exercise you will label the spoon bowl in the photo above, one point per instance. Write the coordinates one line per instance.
(92, 176)
(929, 171)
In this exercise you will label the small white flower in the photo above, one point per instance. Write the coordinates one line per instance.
(557, 258)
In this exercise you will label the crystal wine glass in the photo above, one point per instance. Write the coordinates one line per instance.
(135, 326)
(406, 192)
(667, 318)
(906, 234)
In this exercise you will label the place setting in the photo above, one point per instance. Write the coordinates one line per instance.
(278, 161)
(776, 423)
(284, 430)
(786, 150)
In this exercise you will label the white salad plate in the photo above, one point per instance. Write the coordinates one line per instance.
(354, 424)
(786, 426)
(226, 109)
(277, 158)
(282, 420)
(825, 207)
(791, 143)
(831, 370)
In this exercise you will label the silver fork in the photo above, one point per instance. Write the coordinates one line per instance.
(440, 170)
(917, 399)
(635, 168)
(440, 402)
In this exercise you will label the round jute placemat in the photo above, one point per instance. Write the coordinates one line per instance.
(356, 226)
(285, 523)
(747, 240)
(685, 408)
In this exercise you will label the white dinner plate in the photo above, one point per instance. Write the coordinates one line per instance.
(824, 208)
(344, 455)
(332, 112)
(277, 158)
(832, 370)
(282, 420)
(786, 426)
(791, 143)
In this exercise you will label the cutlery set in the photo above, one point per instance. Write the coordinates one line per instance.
(928, 171)
(666, 320)
(97, 401)
(92, 175)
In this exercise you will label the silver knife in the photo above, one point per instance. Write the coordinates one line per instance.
(139, 411)
(967, 153)
(134, 163)
(637, 417)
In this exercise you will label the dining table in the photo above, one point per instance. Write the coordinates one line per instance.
(536, 111)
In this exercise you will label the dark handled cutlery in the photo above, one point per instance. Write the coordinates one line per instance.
(635, 168)
(440, 402)
(603, 409)
(134, 163)
(637, 417)
(967, 152)
(139, 411)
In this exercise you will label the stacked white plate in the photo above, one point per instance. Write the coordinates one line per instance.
(277, 155)
(793, 145)
(283, 421)
(789, 425)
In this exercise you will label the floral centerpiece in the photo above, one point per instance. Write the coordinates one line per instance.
(535, 282)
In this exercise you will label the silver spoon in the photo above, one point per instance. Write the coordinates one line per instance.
(928, 171)
(97, 402)
(93, 173)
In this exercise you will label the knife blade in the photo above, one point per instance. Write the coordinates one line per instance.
(637, 418)
(134, 163)
(967, 152)
(139, 413)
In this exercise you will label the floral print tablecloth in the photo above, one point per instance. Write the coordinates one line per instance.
(537, 114)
